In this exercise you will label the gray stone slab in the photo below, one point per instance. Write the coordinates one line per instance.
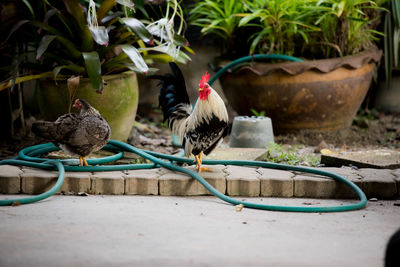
(10, 181)
(179, 184)
(108, 183)
(379, 183)
(36, 181)
(342, 190)
(380, 158)
(242, 181)
(276, 183)
(141, 182)
(231, 153)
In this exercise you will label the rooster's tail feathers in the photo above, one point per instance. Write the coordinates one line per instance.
(173, 91)
(177, 120)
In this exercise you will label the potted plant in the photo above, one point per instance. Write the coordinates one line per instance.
(335, 39)
(93, 50)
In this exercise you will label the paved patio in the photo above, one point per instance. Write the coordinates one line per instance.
(191, 231)
(230, 180)
(139, 218)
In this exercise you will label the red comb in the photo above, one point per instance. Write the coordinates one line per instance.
(204, 79)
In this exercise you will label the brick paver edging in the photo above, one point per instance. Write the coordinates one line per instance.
(230, 180)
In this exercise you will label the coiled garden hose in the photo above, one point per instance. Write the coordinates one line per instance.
(31, 157)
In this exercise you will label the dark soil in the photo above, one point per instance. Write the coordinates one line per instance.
(367, 132)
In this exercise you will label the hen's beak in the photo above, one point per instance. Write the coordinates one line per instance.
(77, 104)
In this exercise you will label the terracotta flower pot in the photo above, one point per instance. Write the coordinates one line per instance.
(117, 104)
(314, 95)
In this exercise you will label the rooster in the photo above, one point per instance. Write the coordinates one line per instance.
(76, 134)
(199, 129)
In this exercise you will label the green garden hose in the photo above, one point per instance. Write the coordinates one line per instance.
(251, 58)
(31, 157)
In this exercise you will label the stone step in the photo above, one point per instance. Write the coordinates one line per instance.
(230, 180)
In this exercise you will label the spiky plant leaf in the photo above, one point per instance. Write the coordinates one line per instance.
(104, 8)
(388, 49)
(136, 58)
(138, 27)
(93, 68)
(44, 43)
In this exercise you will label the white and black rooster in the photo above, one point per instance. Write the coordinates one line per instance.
(200, 129)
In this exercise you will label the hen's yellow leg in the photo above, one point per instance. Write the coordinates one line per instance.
(82, 161)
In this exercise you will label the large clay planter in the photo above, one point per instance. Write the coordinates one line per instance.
(313, 95)
(117, 104)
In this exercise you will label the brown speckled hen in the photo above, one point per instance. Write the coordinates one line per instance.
(76, 134)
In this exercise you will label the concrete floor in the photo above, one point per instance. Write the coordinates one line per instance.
(190, 231)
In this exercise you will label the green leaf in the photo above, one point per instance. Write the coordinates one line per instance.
(151, 71)
(105, 7)
(163, 58)
(70, 46)
(99, 34)
(388, 49)
(110, 19)
(187, 48)
(126, 3)
(72, 67)
(256, 41)
(76, 10)
(28, 5)
(396, 41)
(179, 40)
(175, 54)
(135, 57)
(44, 43)
(396, 12)
(138, 27)
(49, 14)
(248, 18)
(15, 28)
(93, 68)
(9, 83)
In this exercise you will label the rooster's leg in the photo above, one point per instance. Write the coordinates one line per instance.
(196, 159)
(80, 161)
(199, 160)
